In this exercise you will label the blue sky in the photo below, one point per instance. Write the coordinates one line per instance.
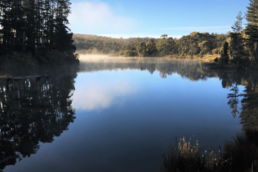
(142, 18)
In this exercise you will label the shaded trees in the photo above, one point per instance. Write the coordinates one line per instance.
(141, 49)
(252, 27)
(31, 25)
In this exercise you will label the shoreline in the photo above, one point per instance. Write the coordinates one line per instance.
(208, 59)
(39, 59)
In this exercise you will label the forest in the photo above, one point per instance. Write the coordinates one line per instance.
(196, 43)
(35, 30)
(238, 46)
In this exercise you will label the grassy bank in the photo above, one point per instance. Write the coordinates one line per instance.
(39, 58)
(207, 58)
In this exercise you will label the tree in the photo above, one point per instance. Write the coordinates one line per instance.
(206, 47)
(237, 27)
(252, 26)
(236, 37)
(164, 36)
(225, 49)
(163, 47)
(194, 49)
(29, 25)
(151, 47)
(141, 49)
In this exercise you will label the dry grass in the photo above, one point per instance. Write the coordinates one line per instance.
(239, 155)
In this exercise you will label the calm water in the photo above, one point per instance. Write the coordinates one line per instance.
(119, 114)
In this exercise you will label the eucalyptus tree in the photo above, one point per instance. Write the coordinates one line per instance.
(151, 47)
(164, 36)
(142, 49)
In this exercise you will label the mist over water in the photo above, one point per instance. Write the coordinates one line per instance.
(120, 59)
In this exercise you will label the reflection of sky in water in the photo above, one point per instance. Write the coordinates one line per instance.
(141, 114)
(98, 94)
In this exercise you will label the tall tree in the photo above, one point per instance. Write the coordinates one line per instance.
(252, 26)
(236, 37)
(237, 28)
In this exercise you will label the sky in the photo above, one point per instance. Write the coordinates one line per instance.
(149, 18)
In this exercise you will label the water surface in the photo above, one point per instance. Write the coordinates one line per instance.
(119, 114)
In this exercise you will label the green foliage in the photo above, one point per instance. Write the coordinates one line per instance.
(152, 48)
(194, 49)
(206, 47)
(142, 49)
(130, 53)
(163, 47)
(252, 28)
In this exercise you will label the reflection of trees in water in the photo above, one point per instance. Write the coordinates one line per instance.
(33, 110)
(186, 68)
(249, 114)
(241, 153)
(249, 110)
(233, 100)
(194, 70)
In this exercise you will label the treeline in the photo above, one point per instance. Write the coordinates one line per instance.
(196, 43)
(35, 26)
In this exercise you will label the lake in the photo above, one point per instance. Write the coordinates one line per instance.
(119, 114)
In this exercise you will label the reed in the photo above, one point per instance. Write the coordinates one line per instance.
(239, 155)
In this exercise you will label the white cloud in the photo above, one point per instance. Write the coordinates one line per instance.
(98, 95)
(196, 28)
(92, 17)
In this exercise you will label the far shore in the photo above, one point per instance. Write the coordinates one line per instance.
(205, 58)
